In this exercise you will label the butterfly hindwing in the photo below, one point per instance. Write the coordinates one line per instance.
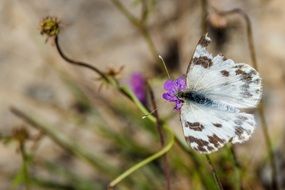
(206, 130)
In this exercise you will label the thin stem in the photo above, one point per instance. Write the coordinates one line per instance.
(214, 173)
(144, 162)
(165, 67)
(269, 146)
(145, 33)
(160, 132)
(125, 12)
(196, 163)
(145, 11)
(141, 27)
(204, 16)
(156, 115)
(25, 164)
(79, 63)
(63, 142)
(261, 105)
(137, 102)
(237, 168)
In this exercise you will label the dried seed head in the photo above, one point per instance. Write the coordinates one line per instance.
(50, 26)
(115, 72)
(21, 134)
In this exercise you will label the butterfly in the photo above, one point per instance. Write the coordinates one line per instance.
(212, 98)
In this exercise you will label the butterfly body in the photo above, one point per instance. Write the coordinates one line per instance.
(212, 98)
(189, 97)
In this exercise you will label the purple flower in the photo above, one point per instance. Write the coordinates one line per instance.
(138, 85)
(172, 87)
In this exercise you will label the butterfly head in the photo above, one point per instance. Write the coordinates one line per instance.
(180, 95)
(174, 91)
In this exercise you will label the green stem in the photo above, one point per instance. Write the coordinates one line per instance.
(25, 165)
(197, 164)
(138, 103)
(237, 167)
(141, 27)
(214, 173)
(161, 137)
(125, 12)
(145, 11)
(150, 43)
(145, 161)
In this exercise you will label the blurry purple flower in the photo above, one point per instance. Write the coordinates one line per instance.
(138, 85)
(172, 87)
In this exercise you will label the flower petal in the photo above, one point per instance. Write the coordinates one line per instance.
(172, 87)
(169, 97)
(181, 83)
(138, 85)
(178, 105)
(169, 85)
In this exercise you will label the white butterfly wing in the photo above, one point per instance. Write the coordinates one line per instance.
(230, 86)
(206, 129)
(220, 79)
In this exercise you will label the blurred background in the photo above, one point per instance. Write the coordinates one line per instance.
(84, 116)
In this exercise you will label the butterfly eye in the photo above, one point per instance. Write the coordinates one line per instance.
(179, 95)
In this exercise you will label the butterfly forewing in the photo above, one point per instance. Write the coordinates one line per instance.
(221, 79)
(230, 87)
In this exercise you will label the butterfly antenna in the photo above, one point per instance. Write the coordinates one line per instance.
(164, 65)
(150, 113)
